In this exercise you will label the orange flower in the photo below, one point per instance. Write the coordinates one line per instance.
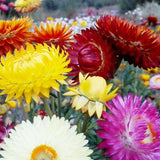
(53, 33)
(25, 6)
(13, 34)
(137, 44)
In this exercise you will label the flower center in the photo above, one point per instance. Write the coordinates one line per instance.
(157, 80)
(43, 152)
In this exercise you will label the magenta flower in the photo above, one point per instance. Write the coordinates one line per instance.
(3, 7)
(131, 131)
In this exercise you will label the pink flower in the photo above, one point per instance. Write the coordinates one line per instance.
(131, 131)
(11, 4)
(3, 7)
(3, 1)
(154, 82)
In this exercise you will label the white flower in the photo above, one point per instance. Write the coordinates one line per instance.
(154, 82)
(45, 139)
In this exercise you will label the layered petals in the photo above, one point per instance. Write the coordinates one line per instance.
(91, 94)
(32, 72)
(13, 34)
(131, 130)
(91, 53)
(53, 33)
(137, 44)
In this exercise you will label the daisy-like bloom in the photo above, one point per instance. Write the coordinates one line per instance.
(154, 82)
(13, 34)
(54, 33)
(50, 139)
(137, 44)
(25, 6)
(32, 72)
(131, 131)
(91, 94)
(92, 54)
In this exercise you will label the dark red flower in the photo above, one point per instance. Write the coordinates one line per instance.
(92, 53)
(152, 20)
(137, 44)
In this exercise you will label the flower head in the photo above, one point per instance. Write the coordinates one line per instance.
(54, 33)
(32, 72)
(45, 138)
(131, 130)
(3, 7)
(13, 34)
(25, 6)
(91, 94)
(91, 53)
(137, 44)
(154, 82)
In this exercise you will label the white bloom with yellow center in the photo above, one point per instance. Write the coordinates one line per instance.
(45, 139)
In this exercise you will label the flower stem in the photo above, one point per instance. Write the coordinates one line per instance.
(85, 122)
(25, 115)
(59, 104)
(47, 107)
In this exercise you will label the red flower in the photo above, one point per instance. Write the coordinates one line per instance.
(92, 53)
(137, 44)
(152, 20)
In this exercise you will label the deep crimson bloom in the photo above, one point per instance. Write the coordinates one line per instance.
(91, 53)
(152, 20)
(137, 44)
(131, 131)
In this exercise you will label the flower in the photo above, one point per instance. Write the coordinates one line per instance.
(53, 33)
(144, 76)
(152, 20)
(32, 72)
(11, 4)
(154, 82)
(25, 6)
(131, 130)
(137, 44)
(13, 34)
(91, 94)
(92, 54)
(3, 7)
(45, 139)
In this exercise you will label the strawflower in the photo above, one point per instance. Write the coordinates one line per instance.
(54, 33)
(50, 139)
(154, 82)
(13, 34)
(91, 94)
(131, 131)
(91, 53)
(3, 7)
(32, 72)
(25, 6)
(137, 44)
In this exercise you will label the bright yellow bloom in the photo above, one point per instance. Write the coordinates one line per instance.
(32, 72)
(50, 18)
(11, 104)
(91, 94)
(153, 70)
(146, 83)
(25, 6)
(144, 76)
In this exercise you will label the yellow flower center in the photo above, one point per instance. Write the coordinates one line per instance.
(43, 152)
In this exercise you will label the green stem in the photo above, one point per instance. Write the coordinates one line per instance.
(91, 126)
(52, 104)
(25, 115)
(47, 107)
(85, 122)
(59, 104)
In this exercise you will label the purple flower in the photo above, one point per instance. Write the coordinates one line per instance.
(154, 82)
(131, 131)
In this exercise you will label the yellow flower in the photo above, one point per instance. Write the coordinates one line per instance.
(74, 23)
(158, 28)
(25, 6)
(146, 83)
(32, 72)
(4, 108)
(153, 70)
(50, 18)
(84, 24)
(11, 104)
(144, 76)
(91, 94)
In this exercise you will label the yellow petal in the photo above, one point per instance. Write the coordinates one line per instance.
(82, 101)
(99, 108)
(91, 108)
